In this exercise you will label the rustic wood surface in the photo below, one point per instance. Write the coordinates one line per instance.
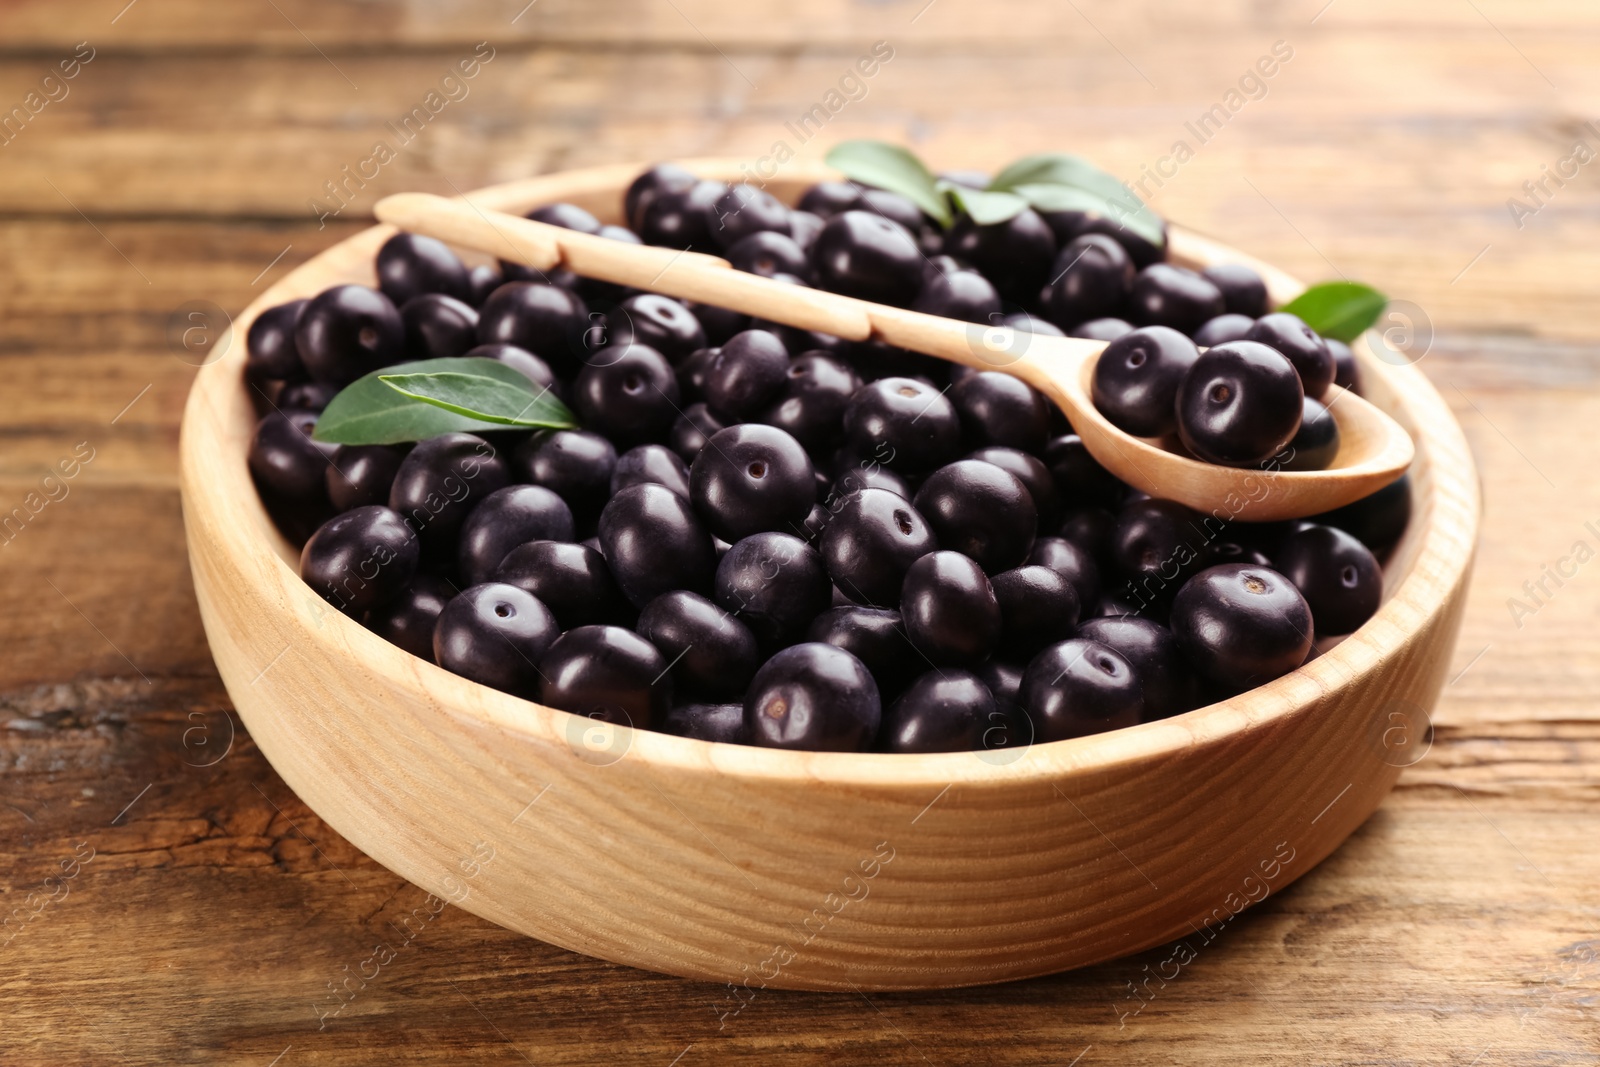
(1460, 926)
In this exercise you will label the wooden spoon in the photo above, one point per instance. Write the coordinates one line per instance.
(1373, 449)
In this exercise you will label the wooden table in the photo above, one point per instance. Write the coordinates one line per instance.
(201, 914)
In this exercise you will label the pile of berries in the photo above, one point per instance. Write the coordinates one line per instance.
(772, 536)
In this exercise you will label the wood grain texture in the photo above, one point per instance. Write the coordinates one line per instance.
(1456, 927)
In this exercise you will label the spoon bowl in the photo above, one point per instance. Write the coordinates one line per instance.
(1373, 450)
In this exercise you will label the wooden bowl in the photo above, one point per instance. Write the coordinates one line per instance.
(799, 870)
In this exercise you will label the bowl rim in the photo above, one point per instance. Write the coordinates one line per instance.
(1431, 561)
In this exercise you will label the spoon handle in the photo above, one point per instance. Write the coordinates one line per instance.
(710, 280)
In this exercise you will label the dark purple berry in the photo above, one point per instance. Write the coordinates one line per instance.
(712, 653)
(942, 711)
(441, 480)
(655, 543)
(1240, 404)
(871, 542)
(1337, 574)
(813, 697)
(906, 424)
(629, 394)
(1136, 379)
(410, 265)
(1038, 607)
(439, 326)
(408, 621)
(1164, 676)
(571, 580)
(360, 559)
(1243, 290)
(1241, 626)
(361, 475)
(750, 479)
(1303, 347)
(999, 409)
(745, 375)
(1076, 688)
(981, 511)
(505, 519)
(271, 351)
(1167, 295)
(349, 331)
(1092, 278)
(608, 674)
(775, 584)
(949, 609)
(862, 254)
(658, 322)
(495, 634)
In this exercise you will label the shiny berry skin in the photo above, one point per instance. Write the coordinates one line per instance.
(661, 178)
(286, 462)
(745, 375)
(961, 294)
(410, 265)
(1222, 329)
(360, 559)
(567, 216)
(1092, 278)
(495, 634)
(441, 480)
(712, 653)
(1107, 329)
(750, 479)
(1070, 225)
(409, 619)
(1076, 688)
(855, 475)
(1015, 254)
(949, 610)
(810, 406)
(679, 218)
(1240, 404)
(1303, 346)
(650, 463)
(520, 360)
(692, 430)
(543, 319)
(1023, 322)
(691, 374)
(1346, 373)
(1157, 544)
(917, 427)
(769, 254)
(718, 323)
(482, 281)
(1079, 476)
(1167, 295)
(743, 210)
(981, 511)
(270, 344)
(1034, 476)
(571, 580)
(348, 331)
(1073, 562)
(875, 636)
(658, 322)
(1337, 574)
(865, 255)
(1377, 521)
(505, 519)
(1003, 679)
(439, 326)
(1090, 529)
(361, 475)
(306, 396)
(1164, 676)
(1241, 625)
(871, 542)
(827, 199)
(1316, 443)
(706, 722)
(999, 409)
(1243, 290)
(575, 464)
(775, 584)
(942, 711)
(813, 697)
(803, 230)
(654, 543)
(628, 394)
(606, 673)
(1136, 379)
(1038, 607)
(892, 206)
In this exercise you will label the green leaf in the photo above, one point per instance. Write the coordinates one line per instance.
(1341, 310)
(369, 412)
(890, 166)
(1055, 181)
(479, 396)
(986, 208)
